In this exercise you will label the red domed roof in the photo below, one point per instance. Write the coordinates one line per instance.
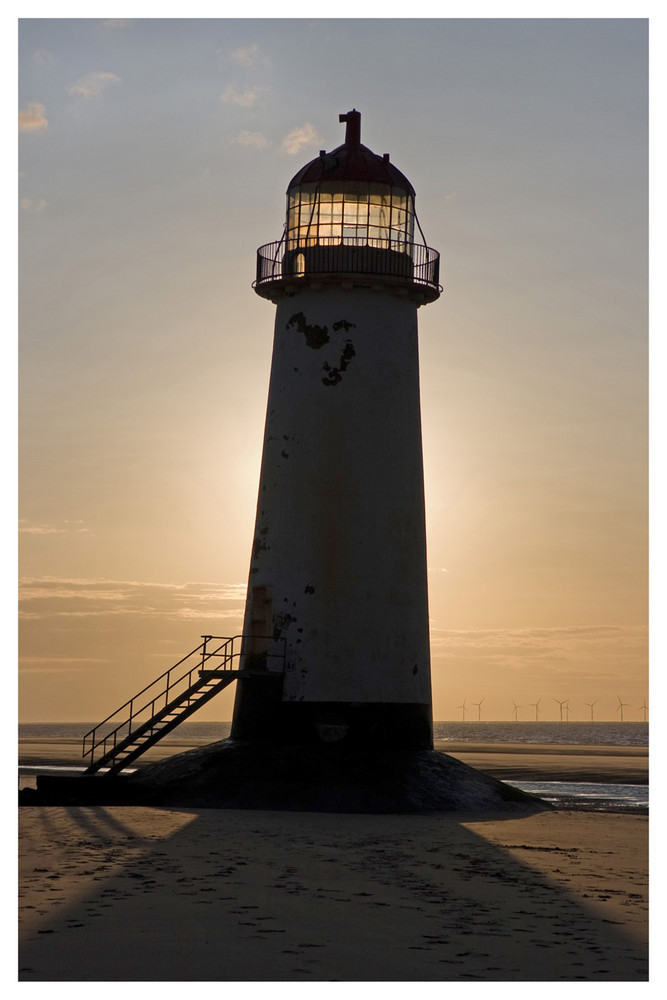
(351, 162)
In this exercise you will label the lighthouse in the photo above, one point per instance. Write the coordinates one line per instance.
(333, 682)
(336, 640)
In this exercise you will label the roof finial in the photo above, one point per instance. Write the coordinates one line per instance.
(353, 128)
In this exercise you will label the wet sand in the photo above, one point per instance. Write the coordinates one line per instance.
(532, 762)
(139, 894)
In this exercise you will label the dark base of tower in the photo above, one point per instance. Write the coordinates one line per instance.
(260, 714)
(326, 778)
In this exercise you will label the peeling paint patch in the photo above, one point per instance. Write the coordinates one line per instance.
(347, 355)
(280, 623)
(334, 376)
(259, 545)
(316, 336)
(343, 324)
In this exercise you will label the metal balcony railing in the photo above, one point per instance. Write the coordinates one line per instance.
(409, 263)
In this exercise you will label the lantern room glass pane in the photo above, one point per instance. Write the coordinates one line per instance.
(350, 212)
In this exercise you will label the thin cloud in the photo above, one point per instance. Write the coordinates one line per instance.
(58, 664)
(294, 142)
(540, 654)
(92, 84)
(48, 597)
(69, 659)
(254, 140)
(527, 640)
(246, 56)
(30, 205)
(53, 669)
(196, 613)
(65, 527)
(33, 118)
(41, 57)
(246, 97)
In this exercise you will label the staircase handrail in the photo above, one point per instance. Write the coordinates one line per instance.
(113, 732)
(225, 651)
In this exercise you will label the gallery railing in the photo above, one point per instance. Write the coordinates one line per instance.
(413, 263)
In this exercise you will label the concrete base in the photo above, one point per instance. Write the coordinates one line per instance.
(76, 790)
(235, 775)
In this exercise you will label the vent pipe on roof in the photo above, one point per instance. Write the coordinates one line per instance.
(353, 129)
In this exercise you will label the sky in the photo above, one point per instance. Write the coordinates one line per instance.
(154, 159)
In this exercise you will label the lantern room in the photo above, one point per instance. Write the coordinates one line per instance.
(350, 212)
(350, 197)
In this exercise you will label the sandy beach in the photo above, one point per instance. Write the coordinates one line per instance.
(251, 896)
(234, 895)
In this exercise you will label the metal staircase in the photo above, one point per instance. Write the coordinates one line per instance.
(170, 699)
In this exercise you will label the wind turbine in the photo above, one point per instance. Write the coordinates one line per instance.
(478, 704)
(644, 708)
(516, 711)
(463, 706)
(590, 705)
(534, 704)
(621, 706)
(561, 703)
(567, 710)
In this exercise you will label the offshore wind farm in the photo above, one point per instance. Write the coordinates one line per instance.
(566, 711)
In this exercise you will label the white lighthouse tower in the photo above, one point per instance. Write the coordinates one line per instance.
(337, 592)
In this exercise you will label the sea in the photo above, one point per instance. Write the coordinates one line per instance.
(578, 795)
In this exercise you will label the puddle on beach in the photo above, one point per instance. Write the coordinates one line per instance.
(592, 797)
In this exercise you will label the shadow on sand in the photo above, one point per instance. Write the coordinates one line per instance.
(249, 896)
